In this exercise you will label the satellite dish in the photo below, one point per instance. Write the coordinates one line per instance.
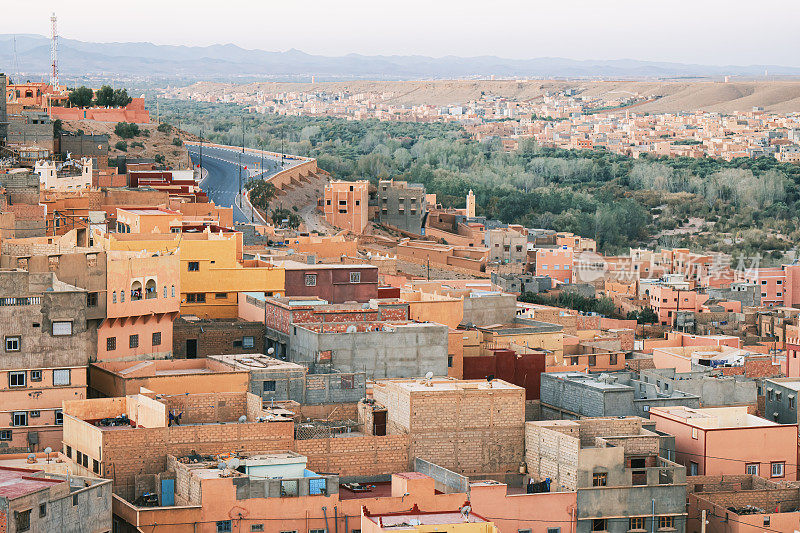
(48, 450)
(31, 457)
(271, 351)
(243, 419)
(429, 375)
(351, 329)
(234, 463)
(222, 465)
(465, 511)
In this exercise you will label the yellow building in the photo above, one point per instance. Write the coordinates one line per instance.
(212, 271)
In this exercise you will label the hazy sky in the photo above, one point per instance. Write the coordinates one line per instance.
(738, 32)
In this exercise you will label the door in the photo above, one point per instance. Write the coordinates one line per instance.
(191, 348)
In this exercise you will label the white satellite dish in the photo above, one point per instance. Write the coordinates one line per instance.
(352, 329)
(270, 351)
(428, 375)
(243, 419)
(222, 465)
(234, 463)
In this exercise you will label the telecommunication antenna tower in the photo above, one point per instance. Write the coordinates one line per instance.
(54, 50)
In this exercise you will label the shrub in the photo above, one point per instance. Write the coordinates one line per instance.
(126, 130)
(122, 146)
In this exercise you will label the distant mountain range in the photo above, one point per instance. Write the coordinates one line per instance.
(78, 59)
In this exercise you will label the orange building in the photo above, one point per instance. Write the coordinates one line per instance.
(142, 300)
(728, 440)
(554, 261)
(345, 204)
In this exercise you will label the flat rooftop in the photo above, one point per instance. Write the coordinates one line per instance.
(19, 482)
(594, 382)
(715, 417)
(410, 520)
(522, 328)
(789, 383)
(439, 385)
(164, 367)
(250, 362)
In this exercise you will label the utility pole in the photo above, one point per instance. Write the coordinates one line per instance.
(240, 164)
(283, 138)
(702, 518)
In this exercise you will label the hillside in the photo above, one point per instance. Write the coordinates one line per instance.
(672, 97)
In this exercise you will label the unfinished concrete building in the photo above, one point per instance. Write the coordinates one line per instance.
(274, 379)
(466, 426)
(402, 205)
(616, 466)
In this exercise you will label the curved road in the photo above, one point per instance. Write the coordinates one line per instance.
(222, 180)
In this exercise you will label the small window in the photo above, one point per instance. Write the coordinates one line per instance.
(68, 451)
(220, 295)
(19, 418)
(42, 510)
(111, 344)
(248, 342)
(777, 469)
(694, 433)
(157, 338)
(59, 417)
(223, 526)
(133, 341)
(599, 479)
(269, 385)
(91, 299)
(348, 382)
(636, 523)
(766, 521)
(12, 344)
(165, 291)
(16, 379)
(612, 359)
(63, 327)
(751, 469)
(355, 277)
(553, 530)
(5, 434)
(598, 524)
(311, 280)
(666, 522)
(61, 377)
(523, 531)
(95, 466)
(592, 360)
(449, 360)
(75, 496)
(23, 520)
(257, 527)
(34, 414)
(114, 297)
(791, 402)
(194, 266)
(173, 291)
(36, 375)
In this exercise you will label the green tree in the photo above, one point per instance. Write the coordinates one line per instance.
(647, 316)
(121, 146)
(120, 98)
(261, 193)
(80, 97)
(164, 127)
(126, 130)
(104, 96)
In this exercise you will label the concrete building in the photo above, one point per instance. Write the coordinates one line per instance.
(712, 386)
(46, 347)
(402, 205)
(507, 246)
(467, 426)
(336, 283)
(521, 283)
(274, 379)
(571, 395)
(345, 204)
(39, 502)
(617, 468)
(72, 175)
(780, 400)
(749, 294)
(3, 110)
(30, 128)
(728, 440)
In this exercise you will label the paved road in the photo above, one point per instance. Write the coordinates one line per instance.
(222, 181)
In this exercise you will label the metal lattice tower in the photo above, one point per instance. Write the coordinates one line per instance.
(54, 51)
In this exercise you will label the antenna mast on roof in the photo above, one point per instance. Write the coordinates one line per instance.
(54, 50)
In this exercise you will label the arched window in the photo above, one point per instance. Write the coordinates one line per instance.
(165, 291)
(173, 291)
(150, 289)
(136, 291)
(114, 297)
(122, 296)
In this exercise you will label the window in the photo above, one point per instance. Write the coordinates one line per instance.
(194, 266)
(5, 434)
(523, 531)
(34, 414)
(75, 496)
(220, 295)
(63, 327)
(355, 277)
(257, 527)
(599, 479)
(751, 469)
(666, 522)
(449, 360)
(269, 385)
(91, 299)
(78, 457)
(19, 418)
(777, 469)
(173, 291)
(95, 466)
(23, 519)
(196, 297)
(133, 341)
(553, 530)
(248, 342)
(692, 468)
(59, 417)
(165, 291)
(61, 377)
(111, 344)
(612, 359)
(636, 523)
(766, 521)
(12, 344)
(157, 338)
(223, 526)
(316, 531)
(791, 402)
(36, 375)
(311, 280)
(592, 360)
(16, 379)
(42, 510)
(778, 396)
(114, 297)
(348, 382)
(770, 394)
(694, 433)
(598, 524)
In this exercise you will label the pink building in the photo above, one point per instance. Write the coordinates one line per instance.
(345, 204)
(142, 300)
(780, 286)
(728, 440)
(556, 262)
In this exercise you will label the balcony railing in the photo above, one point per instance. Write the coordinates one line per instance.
(29, 300)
